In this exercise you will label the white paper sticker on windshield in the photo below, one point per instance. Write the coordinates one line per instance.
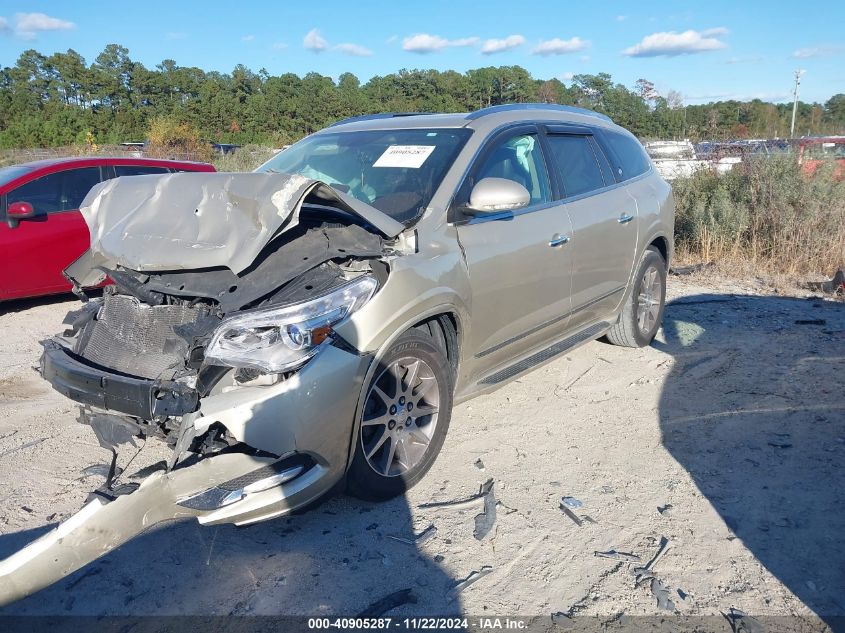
(412, 156)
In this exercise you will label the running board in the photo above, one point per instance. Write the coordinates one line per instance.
(542, 356)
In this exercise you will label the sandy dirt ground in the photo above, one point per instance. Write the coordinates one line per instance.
(726, 437)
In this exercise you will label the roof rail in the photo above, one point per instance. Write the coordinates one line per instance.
(380, 115)
(508, 107)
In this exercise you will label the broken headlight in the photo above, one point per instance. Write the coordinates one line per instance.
(279, 339)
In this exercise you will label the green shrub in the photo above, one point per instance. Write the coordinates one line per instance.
(764, 211)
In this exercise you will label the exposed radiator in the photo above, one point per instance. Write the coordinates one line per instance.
(137, 339)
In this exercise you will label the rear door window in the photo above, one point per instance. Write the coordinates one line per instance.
(575, 162)
(60, 191)
(139, 170)
(627, 154)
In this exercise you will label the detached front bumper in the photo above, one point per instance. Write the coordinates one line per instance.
(86, 383)
(302, 427)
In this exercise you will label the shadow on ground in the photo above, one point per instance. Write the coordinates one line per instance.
(334, 559)
(758, 420)
(21, 305)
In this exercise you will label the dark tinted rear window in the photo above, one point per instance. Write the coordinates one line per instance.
(575, 161)
(627, 155)
(139, 170)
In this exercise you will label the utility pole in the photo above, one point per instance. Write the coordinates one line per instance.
(798, 74)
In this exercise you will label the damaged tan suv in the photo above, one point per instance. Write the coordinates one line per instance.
(271, 335)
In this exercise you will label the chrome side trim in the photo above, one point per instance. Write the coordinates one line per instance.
(543, 355)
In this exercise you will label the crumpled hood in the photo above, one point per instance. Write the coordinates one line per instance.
(202, 220)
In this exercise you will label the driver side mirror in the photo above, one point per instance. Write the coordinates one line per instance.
(18, 211)
(497, 195)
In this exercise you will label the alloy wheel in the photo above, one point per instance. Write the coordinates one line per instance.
(649, 300)
(400, 416)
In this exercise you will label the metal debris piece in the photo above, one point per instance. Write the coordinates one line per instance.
(835, 285)
(486, 519)
(571, 502)
(664, 547)
(779, 444)
(810, 322)
(661, 592)
(642, 575)
(741, 622)
(688, 270)
(479, 464)
(683, 595)
(571, 515)
(562, 620)
(473, 577)
(461, 503)
(418, 539)
(630, 558)
(388, 603)
(665, 510)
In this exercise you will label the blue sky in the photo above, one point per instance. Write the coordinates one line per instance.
(706, 50)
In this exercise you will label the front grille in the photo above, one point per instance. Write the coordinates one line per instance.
(137, 339)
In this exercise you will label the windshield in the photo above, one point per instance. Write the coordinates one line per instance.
(395, 171)
(8, 174)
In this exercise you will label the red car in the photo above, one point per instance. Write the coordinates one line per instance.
(815, 151)
(41, 228)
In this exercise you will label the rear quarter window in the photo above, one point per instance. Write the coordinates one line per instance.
(627, 155)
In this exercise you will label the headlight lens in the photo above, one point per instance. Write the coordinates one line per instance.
(278, 339)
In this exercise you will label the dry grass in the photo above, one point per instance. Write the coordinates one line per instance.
(763, 216)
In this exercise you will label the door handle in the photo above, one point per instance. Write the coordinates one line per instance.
(558, 240)
(625, 218)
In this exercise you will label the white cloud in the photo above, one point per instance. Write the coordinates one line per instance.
(4, 25)
(745, 59)
(313, 41)
(715, 32)
(558, 46)
(28, 25)
(247, 38)
(424, 43)
(354, 49)
(584, 58)
(817, 51)
(391, 39)
(279, 46)
(671, 44)
(176, 35)
(621, 18)
(497, 46)
(568, 76)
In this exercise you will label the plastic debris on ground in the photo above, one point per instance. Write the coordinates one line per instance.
(418, 539)
(624, 556)
(461, 503)
(486, 519)
(388, 603)
(473, 577)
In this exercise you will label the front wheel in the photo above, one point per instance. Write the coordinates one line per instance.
(407, 408)
(642, 314)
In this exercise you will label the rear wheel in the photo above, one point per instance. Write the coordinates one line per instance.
(642, 314)
(407, 408)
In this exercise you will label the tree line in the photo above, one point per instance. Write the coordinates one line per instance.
(57, 100)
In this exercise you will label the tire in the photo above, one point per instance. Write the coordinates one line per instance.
(376, 473)
(649, 280)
